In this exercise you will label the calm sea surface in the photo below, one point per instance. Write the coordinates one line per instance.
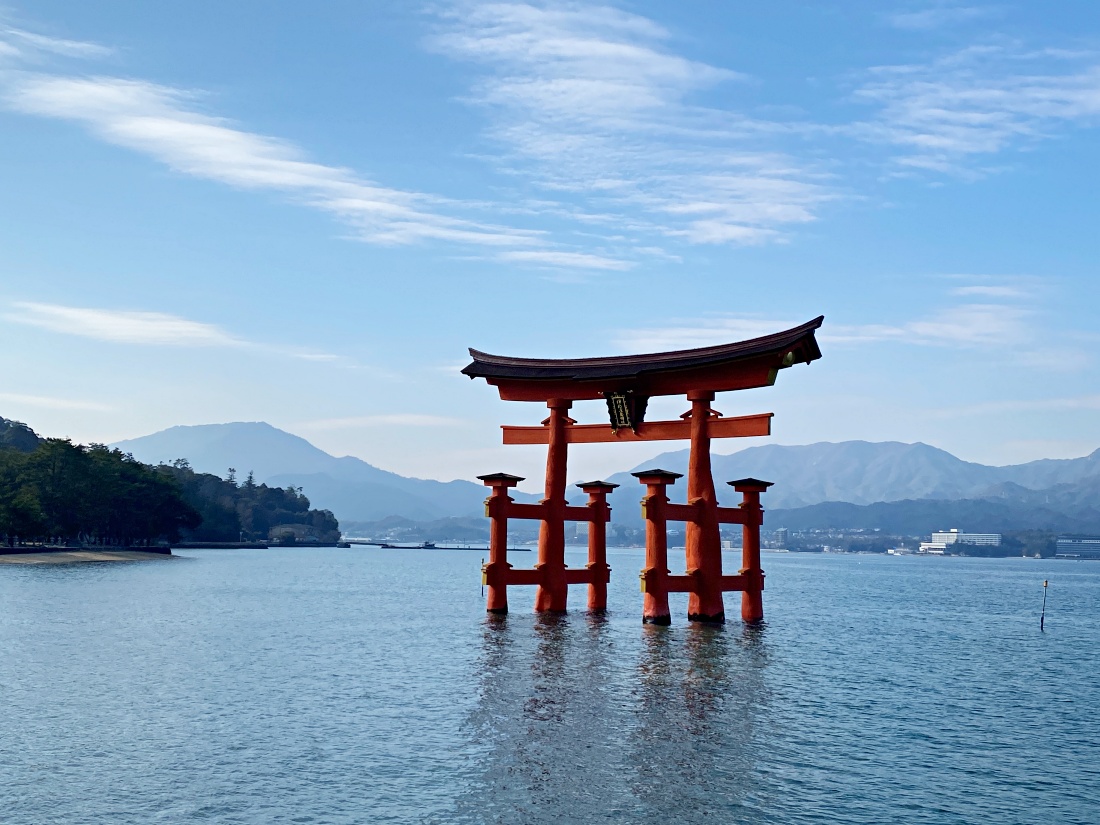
(366, 685)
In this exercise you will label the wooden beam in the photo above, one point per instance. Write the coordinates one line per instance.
(741, 426)
(523, 576)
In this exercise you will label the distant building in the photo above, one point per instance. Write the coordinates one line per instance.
(933, 548)
(945, 542)
(781, 536)
(955, 537)
(1077, 547)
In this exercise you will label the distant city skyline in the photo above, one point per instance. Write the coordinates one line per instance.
(219, 213)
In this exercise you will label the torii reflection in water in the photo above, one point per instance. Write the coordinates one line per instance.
(577, 721)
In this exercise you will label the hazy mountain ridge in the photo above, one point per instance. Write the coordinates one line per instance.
(348, 486)
(862, 472)
(920, 517)
(901, 483)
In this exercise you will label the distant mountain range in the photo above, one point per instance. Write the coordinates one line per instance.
(1065, 508)
(863, 472)
(351, 488)
(906, 489)
(855, 483)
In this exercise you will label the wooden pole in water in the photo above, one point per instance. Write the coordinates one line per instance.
(1043, 615)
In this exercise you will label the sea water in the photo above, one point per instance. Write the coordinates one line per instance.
(366, 685)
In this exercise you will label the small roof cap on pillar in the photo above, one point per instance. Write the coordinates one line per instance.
(750, 484)
(597, 485)
(500, 480)
(666, 476)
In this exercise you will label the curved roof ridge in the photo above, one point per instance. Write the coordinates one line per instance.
(735, 349)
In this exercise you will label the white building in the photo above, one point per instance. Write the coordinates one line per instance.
(933, 548)
(953, 536)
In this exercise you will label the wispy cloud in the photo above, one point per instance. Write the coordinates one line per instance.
(987, 315)
(389, 420)
(144, 329)
(965, 325)
(938, 15)
(691, 334)
(572, 260)
(23, 44)
(945, 115)
(161, 122)
(169, 125)
(986, 291)
(591, 102)
(121, 326)
(51, 403)
(596, 108)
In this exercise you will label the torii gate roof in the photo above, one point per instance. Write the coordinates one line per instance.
(734, 366)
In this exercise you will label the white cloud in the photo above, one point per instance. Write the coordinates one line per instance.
(51, 403)
(967, 324)
(938, 16)
(19, 43)
(994, 291)
(982, 100)
(157, 121)
(166, 124)
(121, 326)
(709, 332)
(576, 260)
(145, 328)
(591, 102)
(962, 325)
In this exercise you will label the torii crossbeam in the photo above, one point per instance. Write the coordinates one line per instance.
(627, 383)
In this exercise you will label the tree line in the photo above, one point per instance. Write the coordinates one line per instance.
(54, 491)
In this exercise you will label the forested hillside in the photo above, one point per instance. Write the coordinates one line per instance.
(60, 491)
(249, 511)
(52, 490)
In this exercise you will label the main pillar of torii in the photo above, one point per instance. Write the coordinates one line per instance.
(627, 383)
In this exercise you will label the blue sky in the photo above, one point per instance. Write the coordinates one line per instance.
(250, 211)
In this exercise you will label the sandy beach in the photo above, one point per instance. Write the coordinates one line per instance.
(76, 556)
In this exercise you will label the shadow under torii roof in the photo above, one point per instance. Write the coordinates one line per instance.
(735, 366)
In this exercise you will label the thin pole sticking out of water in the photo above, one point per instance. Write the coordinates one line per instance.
(483, 586)
(1043, 615)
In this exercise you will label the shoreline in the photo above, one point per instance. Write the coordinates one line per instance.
(78, 556)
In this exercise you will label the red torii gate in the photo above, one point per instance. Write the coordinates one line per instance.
(627, 383)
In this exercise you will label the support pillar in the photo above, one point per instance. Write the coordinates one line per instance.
(702, 537)
(752, 598)
(495, 573)
(654, 577)
(553, 590)
(599, 516)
